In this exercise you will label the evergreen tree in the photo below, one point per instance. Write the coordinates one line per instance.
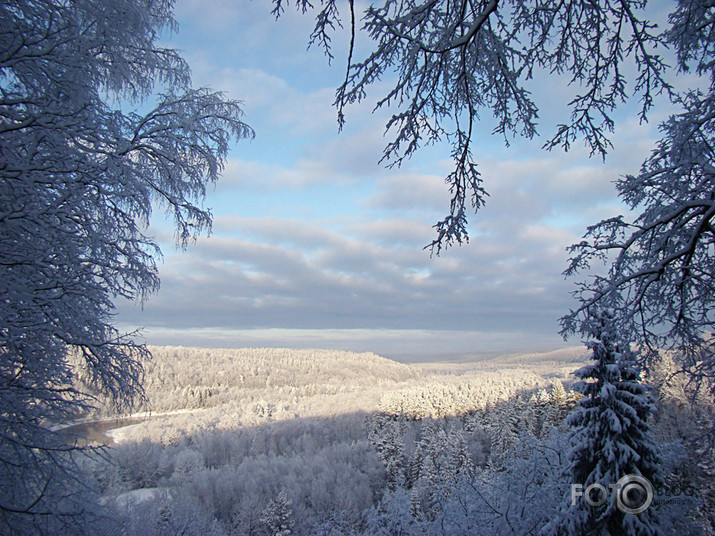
(394, 517)
(558, 393)
(610, 440)
(556, 407)
(278, 516)
(414, 467)
(460, 463)
(503, 425)
(387, 437)
(424, 494)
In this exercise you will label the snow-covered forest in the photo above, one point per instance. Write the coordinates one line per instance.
(316, 442)
(101, 125)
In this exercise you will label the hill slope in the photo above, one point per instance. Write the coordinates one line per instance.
(179, 378)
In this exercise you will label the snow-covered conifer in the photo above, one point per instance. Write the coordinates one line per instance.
(394, 517)
(502, 423)
(425, 493)
(460, 462)
(558, 393)
(611, 445)
(387, 437)
(278, 516)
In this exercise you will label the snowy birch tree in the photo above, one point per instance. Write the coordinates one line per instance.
(660, 282)
(79, 173)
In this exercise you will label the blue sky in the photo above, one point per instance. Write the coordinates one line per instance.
(317, 245)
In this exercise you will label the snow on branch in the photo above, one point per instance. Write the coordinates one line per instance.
(448, 61)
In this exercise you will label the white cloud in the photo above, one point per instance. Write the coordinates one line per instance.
(292, 274)
(404, 191)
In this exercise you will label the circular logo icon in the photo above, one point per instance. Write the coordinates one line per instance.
(634, 494)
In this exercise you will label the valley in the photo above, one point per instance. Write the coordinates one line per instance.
(325, 442)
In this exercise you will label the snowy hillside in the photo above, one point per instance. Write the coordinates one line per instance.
(180, 377)
(323, 442)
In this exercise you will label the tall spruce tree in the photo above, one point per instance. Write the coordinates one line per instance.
(612, 450)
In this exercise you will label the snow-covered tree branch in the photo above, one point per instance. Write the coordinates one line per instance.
(454, 60)
(661, 263)
(78, 177)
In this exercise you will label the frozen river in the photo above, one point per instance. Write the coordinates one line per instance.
(96, 431)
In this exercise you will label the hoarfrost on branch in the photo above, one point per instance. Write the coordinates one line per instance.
(78, 177)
